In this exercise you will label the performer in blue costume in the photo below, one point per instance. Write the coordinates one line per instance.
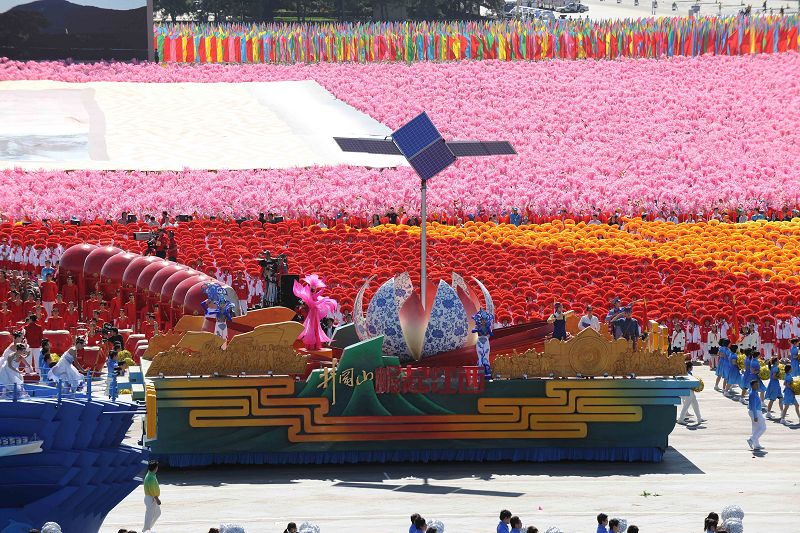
(759, 424)
(730, 368)
(483, 327)
(722, 365)
(774, 387)
(218, 309)
(755, 370)
(794, 355)
(734, 375)
(788, 396)
(747, 376)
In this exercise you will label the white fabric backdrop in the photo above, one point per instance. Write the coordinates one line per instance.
(154, 126)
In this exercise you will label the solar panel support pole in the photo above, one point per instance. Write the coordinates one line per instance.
(423, 271)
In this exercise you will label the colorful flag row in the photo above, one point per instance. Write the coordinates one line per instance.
(501, 40)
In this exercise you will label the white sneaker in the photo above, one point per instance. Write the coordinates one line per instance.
(758, 448)
(750, 443)
(786, 422)
(683, 422)
(770, 415)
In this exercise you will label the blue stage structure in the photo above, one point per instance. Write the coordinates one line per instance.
(62, 459)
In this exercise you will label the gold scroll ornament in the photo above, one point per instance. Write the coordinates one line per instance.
(589, 354)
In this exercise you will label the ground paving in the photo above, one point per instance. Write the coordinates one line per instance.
(706, 467)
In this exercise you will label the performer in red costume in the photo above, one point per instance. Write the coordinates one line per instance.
(767, 334)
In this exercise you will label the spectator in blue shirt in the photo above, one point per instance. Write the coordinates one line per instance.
(613, 526)
(516, 524)
(759, 215)
(602, 523)
(47, 270)
(515, 218)
(505, 520)
(413, 528)
(419, 524)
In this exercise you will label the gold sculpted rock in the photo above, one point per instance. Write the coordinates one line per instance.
(268, 348)
(589, 354)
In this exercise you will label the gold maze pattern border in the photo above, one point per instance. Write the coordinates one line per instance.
(563, 413)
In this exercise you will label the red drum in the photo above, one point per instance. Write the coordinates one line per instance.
(125, 334)
(91, 358)
(137, 355)
(141, 347)
(130, 342)
(60, 340)
(5, 339)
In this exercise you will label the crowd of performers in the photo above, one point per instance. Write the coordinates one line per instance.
(700, 339)
(56, 306)
(619, 321)
(741, 373)
(20, 358)
(755, 364)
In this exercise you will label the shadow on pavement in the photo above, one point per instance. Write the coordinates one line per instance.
(374, 475)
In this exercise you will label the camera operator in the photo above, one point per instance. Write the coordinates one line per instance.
(111, 335)
(269, 273)
(151, 244)
(162, 243)
(172, 247)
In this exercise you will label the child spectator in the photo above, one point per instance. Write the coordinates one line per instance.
(505, 521)
(70, 291)
(16, 307)
(150, 326)
(103, 313)
(60, 304)
(130, 310)
(56, 321)
(115, 304)
(28, 305)
(602, 523)
(70, 316)
(5, 317)
(33, 336)
(123, 321)
(5, 285)
(48, 289)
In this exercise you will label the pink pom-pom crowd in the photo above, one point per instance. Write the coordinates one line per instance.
(667, 182)
(656, 178)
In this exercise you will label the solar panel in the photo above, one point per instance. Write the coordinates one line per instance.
(499, 148)
(467, 148)
(479, 148)
(416, 135)
(432, 160)
(367, 146)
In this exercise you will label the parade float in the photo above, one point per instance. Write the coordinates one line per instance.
(396, 391)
